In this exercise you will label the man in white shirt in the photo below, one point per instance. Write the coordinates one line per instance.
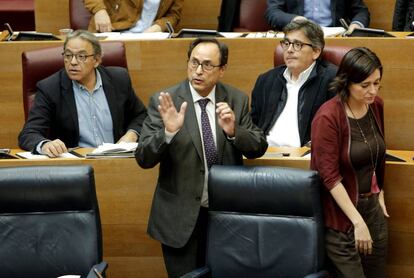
(285, 99)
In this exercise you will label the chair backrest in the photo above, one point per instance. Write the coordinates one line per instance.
(49, 221)
(333, 54)
(40, 63)
(264, 222)
(252, 16)
(79, 16)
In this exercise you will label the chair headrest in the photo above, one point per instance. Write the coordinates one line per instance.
(46, 188)
(260, 189)
(330, 53)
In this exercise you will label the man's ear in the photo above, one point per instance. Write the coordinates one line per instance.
(98, 60)
(317, 52)
(222, 70)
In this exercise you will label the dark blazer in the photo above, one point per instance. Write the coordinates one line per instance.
(403, 16)
(54, 114)
(280, 12)
(270, 94)
(229, 11)
(176, 202)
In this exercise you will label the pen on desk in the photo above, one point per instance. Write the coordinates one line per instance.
(97, 273)
(343, 23)
(72, 149)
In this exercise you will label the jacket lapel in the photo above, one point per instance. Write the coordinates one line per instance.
(110, 94)
(69, 100)
(307, 99)
(190, 121)
(274, 101)
(221, 96)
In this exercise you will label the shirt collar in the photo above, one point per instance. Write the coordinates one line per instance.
(97, 85)
(196, 97)
(304, 75)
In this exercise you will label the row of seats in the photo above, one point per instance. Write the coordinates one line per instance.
(262, 220)
(20, 14)
(41, 63)
(250, 17)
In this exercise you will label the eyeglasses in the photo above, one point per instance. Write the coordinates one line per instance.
(80, 57)
(297, 45)
(194, 63)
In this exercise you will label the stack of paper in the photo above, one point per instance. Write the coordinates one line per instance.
(113, 150)
(29, 155)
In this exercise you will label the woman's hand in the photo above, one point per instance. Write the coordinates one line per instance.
(382, 203)
(363, 241)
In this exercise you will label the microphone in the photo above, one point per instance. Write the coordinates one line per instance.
(170, 29)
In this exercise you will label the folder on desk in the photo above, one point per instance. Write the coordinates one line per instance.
(27, 36)
(5, 154)
(369, 32)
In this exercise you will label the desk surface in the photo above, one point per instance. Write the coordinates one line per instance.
(125, 193)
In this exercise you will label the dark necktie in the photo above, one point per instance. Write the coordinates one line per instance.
(209, 146)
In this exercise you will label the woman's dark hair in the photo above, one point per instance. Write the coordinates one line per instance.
(356, 66)
(224, 51)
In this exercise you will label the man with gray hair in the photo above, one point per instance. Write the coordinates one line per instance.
(84, 104)
(285, 99)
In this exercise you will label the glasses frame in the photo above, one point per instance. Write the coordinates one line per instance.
(296, 45)
(76, 55)
(197, 63)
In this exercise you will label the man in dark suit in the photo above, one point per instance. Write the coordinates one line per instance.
(84, 104)
(324, 12)
(186, 137)
(285, 99)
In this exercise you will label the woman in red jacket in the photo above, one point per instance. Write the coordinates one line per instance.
(348, 151)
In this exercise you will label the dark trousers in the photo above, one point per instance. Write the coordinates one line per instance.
(341, 251)
(179, 261)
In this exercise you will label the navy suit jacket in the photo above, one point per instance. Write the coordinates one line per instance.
(280, 12)
(54, 115)
(179, 189)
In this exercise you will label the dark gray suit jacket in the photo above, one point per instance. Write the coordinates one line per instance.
(280, 12)
(177, 197)
(54, 114)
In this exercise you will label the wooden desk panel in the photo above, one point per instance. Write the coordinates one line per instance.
(382, 13)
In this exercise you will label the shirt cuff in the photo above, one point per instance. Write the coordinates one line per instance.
(39, 147)
(359, 23)
(169, 135)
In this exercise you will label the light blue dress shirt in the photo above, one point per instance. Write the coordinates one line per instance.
(94, 116)
(318, 11)
(149, 11)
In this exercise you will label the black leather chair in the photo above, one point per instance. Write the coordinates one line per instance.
(49, 222)
(264, 222)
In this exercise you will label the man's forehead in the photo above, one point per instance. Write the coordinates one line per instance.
(206, 51)
(296, 33)
(79, 45)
